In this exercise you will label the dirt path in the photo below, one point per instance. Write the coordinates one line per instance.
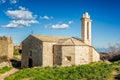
(2, 76)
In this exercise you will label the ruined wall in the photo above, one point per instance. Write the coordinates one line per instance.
(3, 46)
(32, 49)
(10, 49)
(6, 47)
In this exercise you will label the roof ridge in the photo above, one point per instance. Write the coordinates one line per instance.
(72, 41)
(49, 38)
(77, 38)
(63, 40)
(49, 35)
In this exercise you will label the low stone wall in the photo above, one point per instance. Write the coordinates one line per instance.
(3, 64)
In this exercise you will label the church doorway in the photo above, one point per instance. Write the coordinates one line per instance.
(30, 63)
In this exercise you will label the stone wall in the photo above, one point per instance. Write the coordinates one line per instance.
(10, 49)
(64, 55)
(85, 55)
(74, 55)
(3, 46)
(6, 47)
(4, 64)
(32, 49)
(81, 55)
(57, 55)
(40, 52)
(68, 55)
(96, 55)
(48, 53)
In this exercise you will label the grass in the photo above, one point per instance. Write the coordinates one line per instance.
(5, 69)
(116, 66)
(93, 71)
(16, 52)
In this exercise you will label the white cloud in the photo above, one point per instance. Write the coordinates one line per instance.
(10, 1)
(2, 1)
(46, 17)
(20, 18)
(22, 8)
(13, 1)
(22, 13)
(60, 26)
(20, 23)
(70, 22)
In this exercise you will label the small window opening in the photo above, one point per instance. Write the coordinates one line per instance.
(68, 58)
(30, 53)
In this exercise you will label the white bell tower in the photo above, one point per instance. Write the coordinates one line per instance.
(86, 28)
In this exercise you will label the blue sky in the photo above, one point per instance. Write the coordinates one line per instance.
(20, 18)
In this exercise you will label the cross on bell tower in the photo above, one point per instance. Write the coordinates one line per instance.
(86, 28)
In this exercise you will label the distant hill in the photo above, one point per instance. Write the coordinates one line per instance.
(102, 49)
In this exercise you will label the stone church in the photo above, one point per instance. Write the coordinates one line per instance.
(6, 47)
(39, 50)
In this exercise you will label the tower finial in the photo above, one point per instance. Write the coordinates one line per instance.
(86, 15)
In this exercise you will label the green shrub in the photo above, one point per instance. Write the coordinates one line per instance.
(116, 63)
(116, 66)
(16, 52)
(5, 69)
(93, 71)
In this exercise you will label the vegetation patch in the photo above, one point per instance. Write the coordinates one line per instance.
(5, 69)
(16, 52)
(116, 66)
(93, 71)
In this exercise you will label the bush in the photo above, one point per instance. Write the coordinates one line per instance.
(116, 66)
(16, 52)
(93, 71)
(5, 69)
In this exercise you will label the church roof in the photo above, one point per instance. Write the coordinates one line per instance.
(70, 41)
(49, 38)
(60, 40)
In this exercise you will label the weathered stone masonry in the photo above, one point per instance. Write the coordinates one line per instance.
(6, 47)
(39, 50)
